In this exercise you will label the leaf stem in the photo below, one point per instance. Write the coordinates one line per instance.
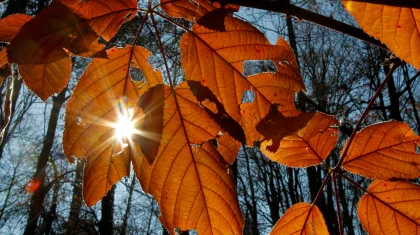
(132, 51)
(394, 66)
(316, 199)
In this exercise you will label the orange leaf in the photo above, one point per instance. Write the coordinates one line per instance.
(216, 110)
(104, 93)
(228, 147)
(216, 60)
(11, 25)
(191, 183)
(151, 102)
(397, 27)
(104, 16)
(300, 141)
(191, 10)
(3, 56)
(293, 221)
(390, 208)
(46, 79)
(105, 167)
(49, 36)
(384, 151)
(4, 66)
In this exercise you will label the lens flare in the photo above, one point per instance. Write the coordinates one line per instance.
(124, 128)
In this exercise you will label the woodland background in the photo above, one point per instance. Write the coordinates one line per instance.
(341, 74)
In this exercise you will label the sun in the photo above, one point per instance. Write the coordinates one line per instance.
(124, 128)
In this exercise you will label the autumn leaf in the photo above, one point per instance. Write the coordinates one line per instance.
(102, 97)
(11, 25)
(394, 26)
(384, 151)
(151, 104)
(4, 66)
(300, 141)
(104, 16)
(301, 218)
(215, 19)
(216, 60)
(390, 208)
(46, 79)
(40, 41)
(216, 110)
(107, 164)
(190, 180)
(192, 10)
(228, 147)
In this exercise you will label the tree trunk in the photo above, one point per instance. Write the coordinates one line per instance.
(77, 199)
(37, 199)
(106, 225)
(347, 219)
(127, 210)
(394, 98)
(50, 216)
(253, 203)
(15, 6)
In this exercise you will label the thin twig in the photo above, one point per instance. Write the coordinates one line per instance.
(396, 64)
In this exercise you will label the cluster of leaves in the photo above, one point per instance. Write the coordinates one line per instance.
(188, 134)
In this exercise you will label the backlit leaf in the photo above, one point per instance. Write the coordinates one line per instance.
(151, 103)
(191, 10)
(216, 60)
(228, 147)
(293, 221)
(191, 182)
(40, 41)
(384, 151)
(390, 208)
(46, 79)
(397, 27)
(104, 16)
(216, 110)
(104, 92)
(103, 169)
(300, 141)
(11, 25)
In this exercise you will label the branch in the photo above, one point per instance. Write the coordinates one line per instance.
(303, 14)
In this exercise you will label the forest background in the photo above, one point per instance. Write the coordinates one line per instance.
(341, 74)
